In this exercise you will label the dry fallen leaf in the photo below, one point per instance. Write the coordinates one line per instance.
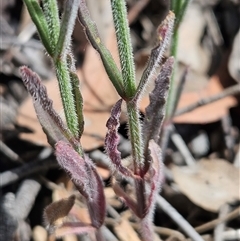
(207, 113)
(209, 184)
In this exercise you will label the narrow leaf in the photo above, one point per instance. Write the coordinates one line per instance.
(78, 100)
(112, 140)
(85, 178)
(97, 204)
(75, 166)
(156, 175)
(50, 8)
(39, 20)
(51, 122)
(120, 19)
(67, 96)
(156, 109)
(164, 33)
(92, 33)
(66, 29)
(57, 210)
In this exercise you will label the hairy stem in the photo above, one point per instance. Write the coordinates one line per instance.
(135, 137)
(66, 92)
(124, 46)
(173, 88)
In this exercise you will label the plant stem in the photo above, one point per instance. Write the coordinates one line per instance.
(173, 88)
(119, 11)
(179, 7)
(39, 20)
(66, 92)
(135, 136)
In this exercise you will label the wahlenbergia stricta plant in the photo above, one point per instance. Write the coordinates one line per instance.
(145, 174)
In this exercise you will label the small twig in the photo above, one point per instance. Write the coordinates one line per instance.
(180, 89)
(236, 161)
(210, 225)
(219, 229)
(25, 198)
(163, 231)
(9, 152)
(178, 219)
(229, 139)
(9, 177)
(107, 234)
(233, 90)
(163, 142)
(231, 235)
(182, 147)
(136, 9)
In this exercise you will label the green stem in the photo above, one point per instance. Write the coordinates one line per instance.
(173, 88)
(67, 97)
(50, 8)
(135, 136)
(92, 33)
(119, 11)
(39, 20)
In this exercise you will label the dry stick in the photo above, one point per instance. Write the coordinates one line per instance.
(219, 229)
(210, 225)
(9, 153)
(167, 131)
(27, 169)
(25, 198)
(164, 140)
(180, 89)
(232, 235)
(163, 231)
(178, 219)
(229, 140)
(236, 161)
(233, 90)
(182, 147)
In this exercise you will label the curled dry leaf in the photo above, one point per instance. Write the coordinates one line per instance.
(51, 122)
(112, 140)
(209, 184)
(57, 210)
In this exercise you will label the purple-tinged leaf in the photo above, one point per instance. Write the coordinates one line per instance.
(164, 33)
(51, 122)
(85, 178)
(57, 210)
(155, 112)
(112, 140)
(75, 166)
(156, 175)
(97, 205)
(73, 228)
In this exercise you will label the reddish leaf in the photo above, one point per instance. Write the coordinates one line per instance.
(164, 33)
(85, 178)
(112, 140)
(51, 122)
